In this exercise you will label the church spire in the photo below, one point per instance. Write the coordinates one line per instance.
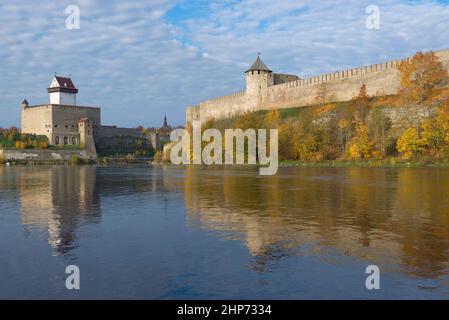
(165, 121)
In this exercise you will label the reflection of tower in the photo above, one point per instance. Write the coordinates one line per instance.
(58, 199)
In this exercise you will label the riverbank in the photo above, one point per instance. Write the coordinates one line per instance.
(388, 163)
(78, 161)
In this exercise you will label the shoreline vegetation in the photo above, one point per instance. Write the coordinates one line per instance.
(373, 163)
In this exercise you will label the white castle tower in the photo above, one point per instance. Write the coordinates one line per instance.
(62, 91)
(258, 79)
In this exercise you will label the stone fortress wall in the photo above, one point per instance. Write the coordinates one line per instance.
(380, 79)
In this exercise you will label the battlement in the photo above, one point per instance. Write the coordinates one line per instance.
(225, 98)
(343, 85)
(345, 74)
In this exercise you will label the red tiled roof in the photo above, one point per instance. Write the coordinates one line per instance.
(65, 82)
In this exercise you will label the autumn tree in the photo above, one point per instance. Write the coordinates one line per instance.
(289, 140)
(379, 126)
(272, 119)
(361, 104)
(344, 127)
(419, 76)
(410, 143)
(435, 131)
(361, 146)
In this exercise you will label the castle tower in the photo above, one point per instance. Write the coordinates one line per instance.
(258, 79)
(62, 91)
(87, 138)
(24, 104)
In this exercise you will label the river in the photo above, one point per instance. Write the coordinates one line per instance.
(168, 232)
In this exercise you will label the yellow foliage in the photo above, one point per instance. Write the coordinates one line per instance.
(20, 145)
(361, 146)
(272, 119)
(410, 143)
(308, 147)
(435, 131)
(344, 124)
(289, 140)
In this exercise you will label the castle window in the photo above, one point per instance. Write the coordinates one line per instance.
(66, 126)
(56, 125)
(73, 140)
(66, 141)
(57, 140)
(258, 71)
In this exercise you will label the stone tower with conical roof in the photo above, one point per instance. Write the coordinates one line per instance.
(258, 78)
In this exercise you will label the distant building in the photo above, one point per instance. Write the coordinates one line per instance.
(164, 131)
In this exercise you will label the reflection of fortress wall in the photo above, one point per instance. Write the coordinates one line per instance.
(267, 91)
(358, 216)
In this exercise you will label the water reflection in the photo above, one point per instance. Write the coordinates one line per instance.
(396, 217)
(58, 199)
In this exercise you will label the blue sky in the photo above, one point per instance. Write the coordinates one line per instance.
(141, 59)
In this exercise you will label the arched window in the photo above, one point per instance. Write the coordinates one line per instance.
(57, 140)
(66, 141)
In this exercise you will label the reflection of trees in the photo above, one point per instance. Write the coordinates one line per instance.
(398, 216)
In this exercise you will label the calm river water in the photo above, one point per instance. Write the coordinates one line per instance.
(223, 233)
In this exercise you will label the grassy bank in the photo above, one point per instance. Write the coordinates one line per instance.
(384, 163)
(78, 161)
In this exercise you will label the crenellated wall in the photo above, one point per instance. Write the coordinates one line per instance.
(223, 107)
(380, 79)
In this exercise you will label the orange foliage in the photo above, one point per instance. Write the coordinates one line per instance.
(419, 76)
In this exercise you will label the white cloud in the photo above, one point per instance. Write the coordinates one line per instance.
(138, 63)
